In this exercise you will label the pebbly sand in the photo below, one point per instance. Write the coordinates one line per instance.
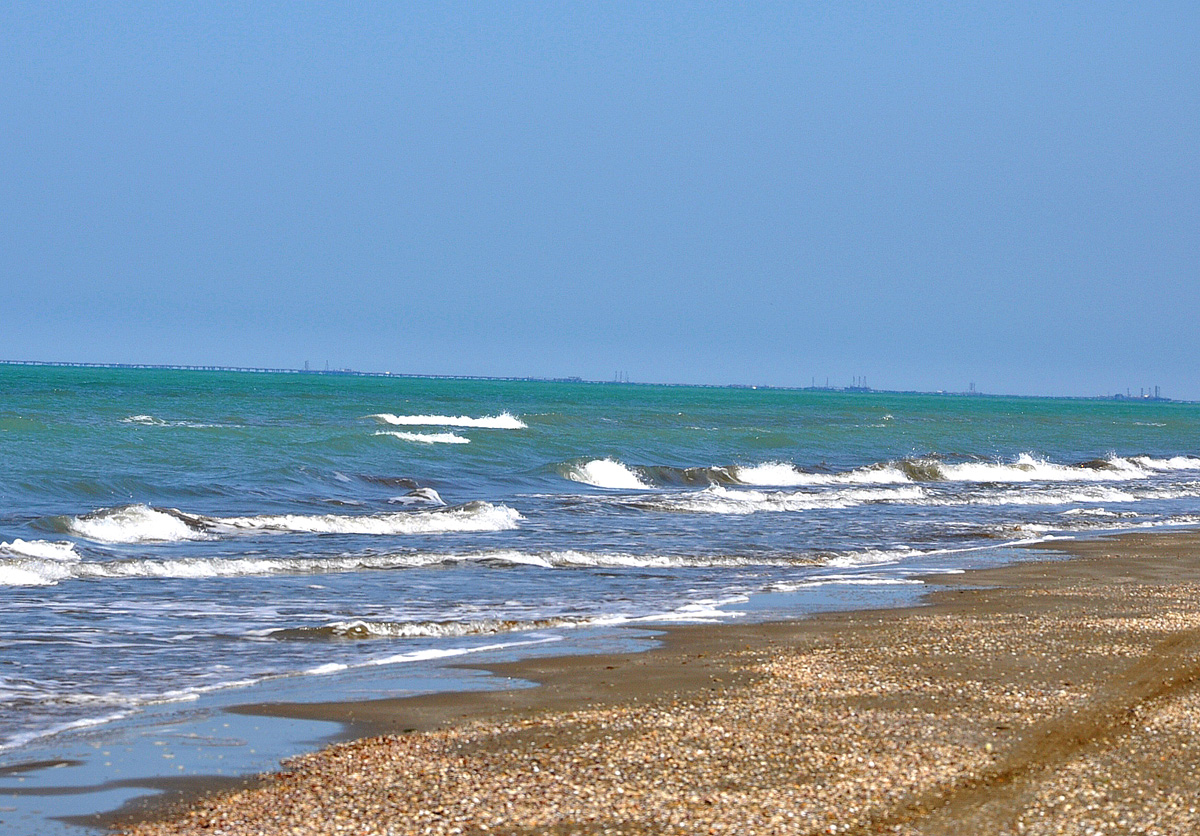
(1045, 697)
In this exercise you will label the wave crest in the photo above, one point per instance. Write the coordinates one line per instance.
(503, 421)
(721, 500)
(137, 524)
(606, 473)
(426, 438)
(782, 474)
(142, 524)
(610, 473)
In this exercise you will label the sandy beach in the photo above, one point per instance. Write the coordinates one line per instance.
(1054, 696)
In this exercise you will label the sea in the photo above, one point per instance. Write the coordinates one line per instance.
(171, 540)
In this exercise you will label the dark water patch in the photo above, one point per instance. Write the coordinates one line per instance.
(33, 766)
(687, 476)
(391, 481)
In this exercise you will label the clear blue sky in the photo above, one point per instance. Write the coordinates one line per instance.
(926, 194)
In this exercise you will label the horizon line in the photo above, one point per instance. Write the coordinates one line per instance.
(853, 389)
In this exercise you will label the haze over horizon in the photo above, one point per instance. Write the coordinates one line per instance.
(926, 195)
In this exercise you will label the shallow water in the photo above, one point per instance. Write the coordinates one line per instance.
(171, 535)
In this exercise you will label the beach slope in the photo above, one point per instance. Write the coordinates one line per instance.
(1053, 696)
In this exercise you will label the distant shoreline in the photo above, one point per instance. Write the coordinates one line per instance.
(865, 390)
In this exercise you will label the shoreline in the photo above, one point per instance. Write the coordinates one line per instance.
(963, 711)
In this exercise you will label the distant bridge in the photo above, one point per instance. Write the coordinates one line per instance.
(268, 370)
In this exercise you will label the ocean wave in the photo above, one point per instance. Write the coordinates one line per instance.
(418, 496)
(1100, 512)
(843, 580)
(142, 524)
(1062, 496)
(606, 473)
(503, 421)
(782, 474)
(35, 562)
(720, 500)
(474, 516)
(1173, 463)
(151, 421)
(40, 549)
(36, 572)
(426, 438)
(137, 524)
(1025, 468)
(360, 629)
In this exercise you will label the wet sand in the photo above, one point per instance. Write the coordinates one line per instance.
(1057, 696)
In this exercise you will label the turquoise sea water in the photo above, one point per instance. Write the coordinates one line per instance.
(167, 534)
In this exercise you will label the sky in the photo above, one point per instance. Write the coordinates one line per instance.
(925, 194)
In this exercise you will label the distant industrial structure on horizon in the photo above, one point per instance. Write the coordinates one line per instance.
(858, 384)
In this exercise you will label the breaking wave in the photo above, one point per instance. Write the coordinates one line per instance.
(720, 500)
(35, 562)
(43, 572)
(426, 438)
(503, 421)
(151, 421)
(40, 549)
(142, 524)
(606, 473)
(359, 629)
(137, 524)
(781, 474)
(1025, 468)
(418, 496)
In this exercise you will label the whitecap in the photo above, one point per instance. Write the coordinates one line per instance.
(144, 420)
(134, 524)
(606, 473)
(142, 524)
(721, 500)
(1173, 463)
(41, 549)
(418, 496)
(782, 474)
(1028, 468)
(474, 516)
(503, 421)
(426, 438)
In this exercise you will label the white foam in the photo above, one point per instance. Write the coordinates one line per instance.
(29, 574)
(873, 557)
(322, 670)
(35, 562)
(1027, 468)
(144, 420)
(418, 496)
(843, 580)
(1065, 496)
(721, 500)
(41, 549)
(426, 438)
(1099, 512)
(17, 741)
(476, 516)
(151, 421)
(606, 473)
(133, 524)
(1173, 463)
(503, 421)
(141, 524)
(33, 572)
(359, 629)
(781, 474)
